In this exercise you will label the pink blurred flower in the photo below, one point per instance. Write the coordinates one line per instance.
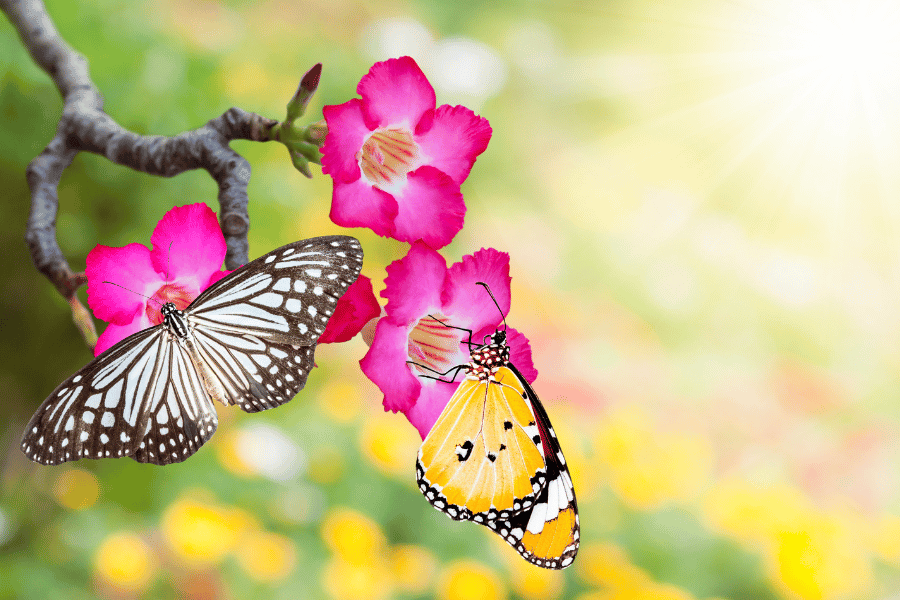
(188, 250)
(397, 161)
(355, 308)
(419, 285)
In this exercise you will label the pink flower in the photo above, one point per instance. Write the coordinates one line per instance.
(419, 285)
(355, 308)
(397, 161)
(188, 250)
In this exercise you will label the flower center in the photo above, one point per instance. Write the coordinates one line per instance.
(433, 345)
(388, 155)
(167, 293)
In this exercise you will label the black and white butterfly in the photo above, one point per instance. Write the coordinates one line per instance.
(249, 340)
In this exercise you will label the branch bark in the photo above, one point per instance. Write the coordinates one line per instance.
(85, 127)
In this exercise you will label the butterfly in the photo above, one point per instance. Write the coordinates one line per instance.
(248, 339)
(492, 457)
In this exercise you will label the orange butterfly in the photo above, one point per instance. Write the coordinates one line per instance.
(492, 457)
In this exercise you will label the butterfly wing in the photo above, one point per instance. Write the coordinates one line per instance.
(547, 534)
(256, 329)
(256, 374)
(482, 459)
(141, 398)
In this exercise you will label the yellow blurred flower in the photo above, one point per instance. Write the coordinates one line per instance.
(391, 444)
(353, 537)
(607, 566)
(469, 580)
(124, 561)
(76, 489)
(823, 557)
(266, 556)
(340, 401)
(202, 533)
(648, 467)
(659, 591)
(652, 591)
(228, 450)
(812, 554)
(413, 568)
(534, 583)
(344, 580)
(753, 513)
(886, 538)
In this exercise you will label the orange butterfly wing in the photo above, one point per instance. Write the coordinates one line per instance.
(480, 461)
(548, 534)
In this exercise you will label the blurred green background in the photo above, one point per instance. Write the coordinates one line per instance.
(700, 203)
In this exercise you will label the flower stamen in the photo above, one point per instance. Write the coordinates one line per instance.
(170, 292)
(433, 345)
(389, 154)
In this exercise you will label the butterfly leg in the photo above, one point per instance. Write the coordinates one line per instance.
(455, 370)
(469, 343)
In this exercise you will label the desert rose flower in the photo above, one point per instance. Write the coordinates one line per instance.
(188, 250)
(397, 161)
(421, 286)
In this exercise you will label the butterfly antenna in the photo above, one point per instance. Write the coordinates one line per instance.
(134, 292)
(168, 259)
(497, 304)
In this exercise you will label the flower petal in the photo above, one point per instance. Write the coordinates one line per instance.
(431, 208)
(113, 334)
(454, 141)
(346, 133)
(358, 204)
(217, 276)
(354, 309)
(188, 245)
(430, 405)
(520, 354)
(469, 303)
(413, 284)
(395, 92)
(130, 267)
(385, 364)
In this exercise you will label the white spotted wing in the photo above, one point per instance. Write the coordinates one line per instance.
(247, 340)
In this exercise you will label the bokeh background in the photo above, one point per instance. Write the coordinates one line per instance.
(700, 203)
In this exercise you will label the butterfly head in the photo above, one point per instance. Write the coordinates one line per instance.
(498, 338)
(168, 309)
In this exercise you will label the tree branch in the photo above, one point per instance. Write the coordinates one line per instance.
(85, 127)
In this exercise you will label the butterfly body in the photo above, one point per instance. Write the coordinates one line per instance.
(492, 457)
(249, 339)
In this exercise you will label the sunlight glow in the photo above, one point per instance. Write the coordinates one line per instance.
(853, 43)
(794, 109)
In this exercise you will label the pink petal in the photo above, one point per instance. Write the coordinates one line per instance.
(469, 303)
(520, 354)
(355, 308)
(431, 208)
(431, 403)
(358, 204)
(413, 284)
(454, 140)
(217, 276)
(113, 334)
(188, 245)
(385, 364)
(395, 92)
(346, 133)
(129, 266)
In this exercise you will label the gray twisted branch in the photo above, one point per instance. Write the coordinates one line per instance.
(85, 127)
